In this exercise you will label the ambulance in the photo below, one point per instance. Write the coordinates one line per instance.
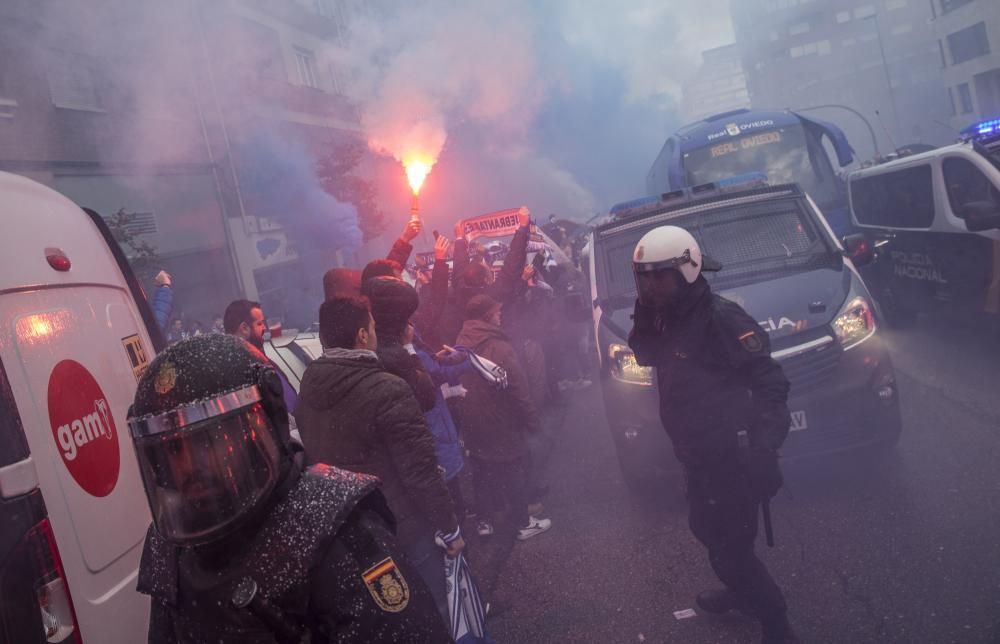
(76, 335)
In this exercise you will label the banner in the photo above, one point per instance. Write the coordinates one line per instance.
(502, 223)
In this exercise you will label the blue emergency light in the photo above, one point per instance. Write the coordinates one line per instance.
(983, 128)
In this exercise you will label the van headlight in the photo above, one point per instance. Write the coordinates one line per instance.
(855, 323)
(625, 369)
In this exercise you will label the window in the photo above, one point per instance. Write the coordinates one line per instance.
(899, 30)
(866, 11)
(968, 185)
(848, 42)
(899, 199)
(305, 61)
(948, 6)
(965, 98)
(971, 42)
(951, 97)
(823, 48)
(71, 82)
(798, 28)
(894, 4)
(843, 16)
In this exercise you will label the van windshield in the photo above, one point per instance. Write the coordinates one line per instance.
(752, 242)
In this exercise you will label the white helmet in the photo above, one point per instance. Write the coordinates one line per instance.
(668, 247)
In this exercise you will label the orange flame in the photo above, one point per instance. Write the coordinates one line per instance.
(416, 172)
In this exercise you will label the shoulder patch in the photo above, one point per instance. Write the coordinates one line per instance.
(751, 341)
(387, 586)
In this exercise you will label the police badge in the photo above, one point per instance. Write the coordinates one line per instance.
(387, 586)
(751, 342)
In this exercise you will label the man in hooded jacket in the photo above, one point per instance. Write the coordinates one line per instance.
(496, 424)
(355, 415)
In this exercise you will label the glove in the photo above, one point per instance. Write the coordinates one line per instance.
(763, 471)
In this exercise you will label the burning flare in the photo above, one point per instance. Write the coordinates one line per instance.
(416, 172)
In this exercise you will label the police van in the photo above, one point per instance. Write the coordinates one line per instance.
(76, 335)
(782, 263)
(935, 220)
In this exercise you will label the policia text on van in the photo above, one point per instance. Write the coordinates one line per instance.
(935, 218)
(782, 264)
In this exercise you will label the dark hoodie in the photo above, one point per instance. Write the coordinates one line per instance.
(496, 424)
(356, 416)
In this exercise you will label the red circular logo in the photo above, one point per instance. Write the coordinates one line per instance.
(83, 428)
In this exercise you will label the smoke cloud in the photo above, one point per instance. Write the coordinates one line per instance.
(560, 106)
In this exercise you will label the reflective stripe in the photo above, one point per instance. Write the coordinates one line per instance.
(196, 412)
(802, 348)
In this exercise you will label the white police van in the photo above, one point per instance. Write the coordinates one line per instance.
(935, 220)
(782, 263)
(76, 335)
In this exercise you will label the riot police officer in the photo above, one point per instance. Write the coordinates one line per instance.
(246, 545)
(723, 403)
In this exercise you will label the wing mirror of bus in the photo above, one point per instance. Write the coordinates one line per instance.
(859, 249)
(980, 216)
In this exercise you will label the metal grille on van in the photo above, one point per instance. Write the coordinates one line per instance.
(810, 370)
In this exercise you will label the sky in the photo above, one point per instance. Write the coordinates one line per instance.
(558, 105)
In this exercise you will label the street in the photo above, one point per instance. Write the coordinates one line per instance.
(872, 546)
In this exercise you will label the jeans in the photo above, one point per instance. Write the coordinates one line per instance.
(501, 484)
(428, 559)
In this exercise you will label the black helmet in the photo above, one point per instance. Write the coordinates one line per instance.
(210, 431)
(393, 304)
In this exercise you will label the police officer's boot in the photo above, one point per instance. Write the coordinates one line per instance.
(718, 601)
(777, 630)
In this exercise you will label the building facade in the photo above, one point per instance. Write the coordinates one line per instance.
(720, 85)
(165, 111)
(877, 62)
(968, 33)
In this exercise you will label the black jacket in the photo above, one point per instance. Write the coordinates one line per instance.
(716, 376)
(355, 415)
(496, 424)
(324, 557)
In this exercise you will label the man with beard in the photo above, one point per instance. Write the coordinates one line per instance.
(245, 319)
(247, 543)
(723, 401)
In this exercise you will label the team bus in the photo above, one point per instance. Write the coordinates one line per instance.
(786, 146)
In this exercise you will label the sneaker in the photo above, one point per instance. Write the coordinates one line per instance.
(581, 383)
(484, 528)
(565, 385)
(535, 527)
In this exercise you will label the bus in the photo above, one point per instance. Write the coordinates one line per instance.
(786, 146)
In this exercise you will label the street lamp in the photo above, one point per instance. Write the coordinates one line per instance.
(888, 79)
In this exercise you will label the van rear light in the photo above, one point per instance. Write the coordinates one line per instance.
(57, 259)
(55, 607)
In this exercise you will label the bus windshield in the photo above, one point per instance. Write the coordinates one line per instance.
(783, 153)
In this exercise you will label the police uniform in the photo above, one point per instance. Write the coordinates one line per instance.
(246, 545)
(717, 378)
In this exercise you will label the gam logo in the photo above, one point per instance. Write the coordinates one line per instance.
(83, 428)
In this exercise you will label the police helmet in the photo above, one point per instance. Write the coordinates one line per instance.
(210, 430)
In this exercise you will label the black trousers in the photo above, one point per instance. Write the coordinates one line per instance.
(728, 528)
(501, 484)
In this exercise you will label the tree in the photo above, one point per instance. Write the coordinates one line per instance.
(142, 255)
(336, 174)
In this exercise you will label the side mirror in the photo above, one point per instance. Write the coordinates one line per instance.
(858, 249)
(980, 216)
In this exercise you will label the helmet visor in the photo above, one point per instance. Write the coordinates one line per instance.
(202, 479)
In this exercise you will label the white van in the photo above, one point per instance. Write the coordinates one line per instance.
(76, 335)
(935, 218)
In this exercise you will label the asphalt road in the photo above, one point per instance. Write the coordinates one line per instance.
(898, 546)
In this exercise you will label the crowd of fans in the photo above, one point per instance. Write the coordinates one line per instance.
(419, 383)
